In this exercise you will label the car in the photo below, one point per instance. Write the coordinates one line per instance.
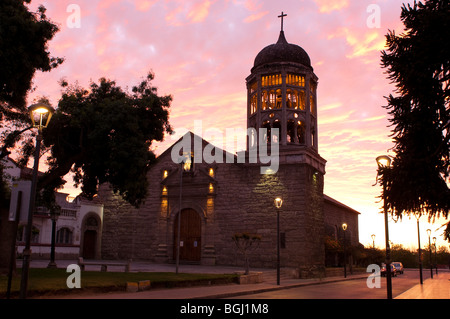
(393, 270)
(399, 266)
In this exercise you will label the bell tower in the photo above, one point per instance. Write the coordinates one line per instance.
(282, 93)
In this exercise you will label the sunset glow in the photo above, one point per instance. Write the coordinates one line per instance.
(201, 52)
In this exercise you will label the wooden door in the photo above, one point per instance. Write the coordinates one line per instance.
(190, 235)
(90, 239)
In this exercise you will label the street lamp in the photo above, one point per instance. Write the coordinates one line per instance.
(429, 244)
(278, 202)
(373, 240)
(435, 254)
(384, 161)
(344, 228)
(40, 115)
(420, 250)
(54, 214)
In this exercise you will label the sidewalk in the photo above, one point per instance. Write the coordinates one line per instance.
(436, 288)
(201, 292)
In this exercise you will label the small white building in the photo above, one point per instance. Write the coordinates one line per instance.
(78, 224)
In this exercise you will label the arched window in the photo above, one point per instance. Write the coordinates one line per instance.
(301, 100)
(312, 97)
(268, 131)
(272, 99)
(64, 235)
(91, 221)
(292, 98)
(264, 100)
(290, 138)
(21, 235)
(275, 138)
(253, 103)
(279, 99)
(301, 132)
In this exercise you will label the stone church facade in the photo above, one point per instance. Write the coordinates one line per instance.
(235, 193)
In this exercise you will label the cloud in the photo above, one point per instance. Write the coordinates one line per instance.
(255, 17)
(327, 6)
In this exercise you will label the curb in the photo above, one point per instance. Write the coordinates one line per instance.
(262, 290)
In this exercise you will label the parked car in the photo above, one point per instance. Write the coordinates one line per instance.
(399, 266)
(393, 270)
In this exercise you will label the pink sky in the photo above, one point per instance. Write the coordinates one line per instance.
(202, 51)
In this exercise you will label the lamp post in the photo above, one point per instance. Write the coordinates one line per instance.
(278, 202)
(344, 228)
(429, 245)
(420, 250)
(435, 255)
(383, 162)
(373, 240)
(40, 115)
(54, 214)
(179, 216)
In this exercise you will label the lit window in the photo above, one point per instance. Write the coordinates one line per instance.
(292, 98)
(272, 99)
(253, 103)
(211, 187)
(301, 100)
(312, 95)
(164, 190)
(279, 99)
(264, 100)
(211, 172)
(269, 80)
(293, 79)
(253, 87)
(188, 164)
(165, 173)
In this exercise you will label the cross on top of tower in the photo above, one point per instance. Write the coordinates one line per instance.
(282, 16)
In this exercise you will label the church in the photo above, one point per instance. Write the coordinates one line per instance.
(201, 203)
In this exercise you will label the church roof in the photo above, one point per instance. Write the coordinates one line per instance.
(339, 204)
(282, 51)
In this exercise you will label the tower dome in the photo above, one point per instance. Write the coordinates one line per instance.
(282, 51)
(282, 98)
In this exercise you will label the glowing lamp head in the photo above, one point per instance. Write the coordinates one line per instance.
(40, 115)
(278, 202)
(344, 226)
(383, 161)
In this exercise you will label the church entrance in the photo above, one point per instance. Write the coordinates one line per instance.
(190, 235)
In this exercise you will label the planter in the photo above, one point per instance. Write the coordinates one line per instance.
(251, 278)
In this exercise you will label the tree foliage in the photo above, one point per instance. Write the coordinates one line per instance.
(418, 62)
(104, 134)
(23, 50)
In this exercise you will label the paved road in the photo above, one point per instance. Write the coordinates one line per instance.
(351, 289)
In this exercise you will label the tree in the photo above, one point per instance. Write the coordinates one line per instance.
(23, 45)
(104, 135)
(244, 243)
(418, 62)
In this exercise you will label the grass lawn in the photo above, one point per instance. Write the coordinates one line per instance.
(43, 281)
